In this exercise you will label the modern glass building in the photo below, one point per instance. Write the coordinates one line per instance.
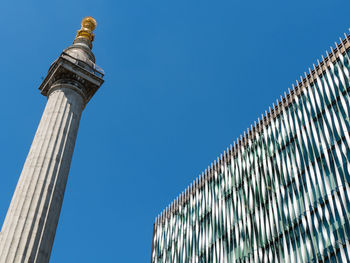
(281, 193)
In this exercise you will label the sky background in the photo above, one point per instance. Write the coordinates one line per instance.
(183, 80)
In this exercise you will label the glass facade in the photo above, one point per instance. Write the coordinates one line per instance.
(281, 193)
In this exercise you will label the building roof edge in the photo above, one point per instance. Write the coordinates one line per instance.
(262, 122)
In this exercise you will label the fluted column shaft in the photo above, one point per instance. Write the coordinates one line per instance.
(30, 225)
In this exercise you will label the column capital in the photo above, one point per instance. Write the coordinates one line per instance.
(77, 70)
(76, 65)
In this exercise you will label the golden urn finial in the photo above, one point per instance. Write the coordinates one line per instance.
(88, 24)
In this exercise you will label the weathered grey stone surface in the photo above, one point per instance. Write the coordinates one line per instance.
(30, 225)
(29, 229)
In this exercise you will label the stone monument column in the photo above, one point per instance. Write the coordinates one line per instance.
(29, 228)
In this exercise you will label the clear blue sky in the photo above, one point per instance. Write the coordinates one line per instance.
(183, 80)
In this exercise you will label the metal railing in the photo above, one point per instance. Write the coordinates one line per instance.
(85, 64)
